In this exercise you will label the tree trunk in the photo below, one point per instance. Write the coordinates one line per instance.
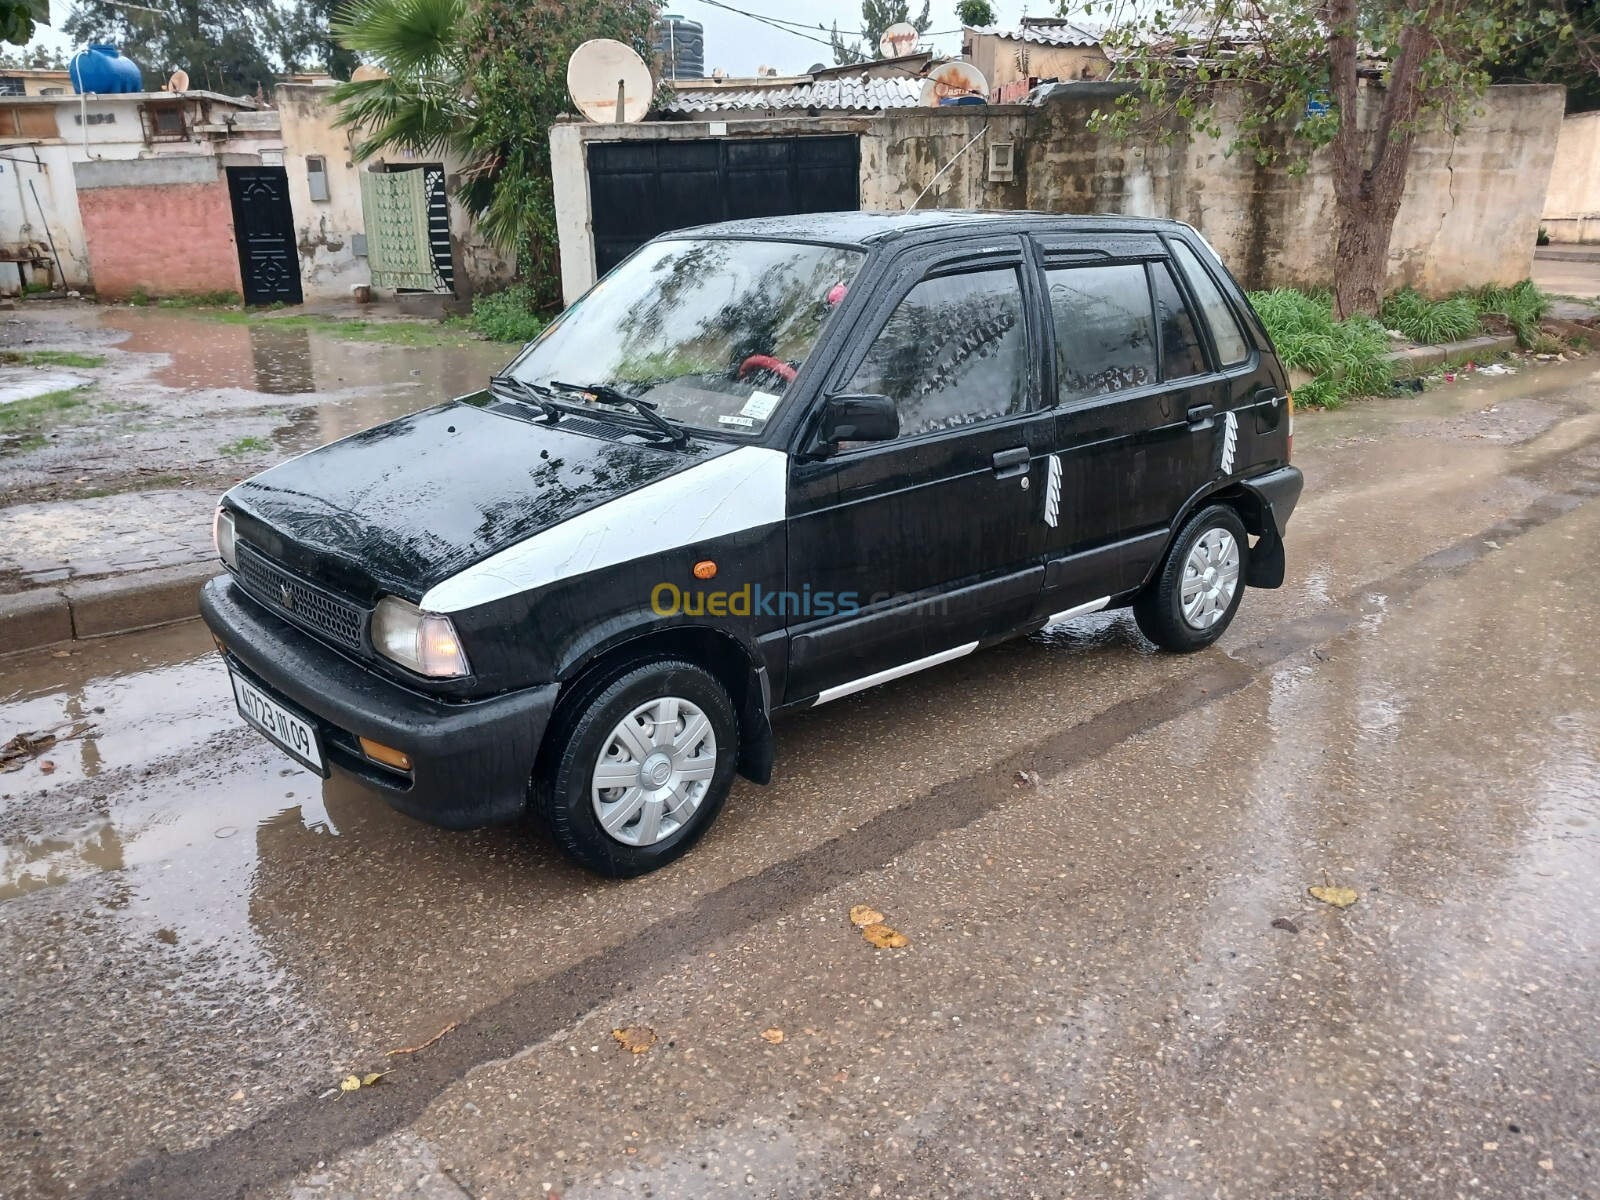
(1369, 173)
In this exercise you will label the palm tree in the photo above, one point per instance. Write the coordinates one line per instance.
(421, 101)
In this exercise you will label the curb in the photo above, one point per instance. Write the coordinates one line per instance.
(94, 608)
(1424, 358)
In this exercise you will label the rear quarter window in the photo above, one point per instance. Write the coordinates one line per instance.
(1225, 332)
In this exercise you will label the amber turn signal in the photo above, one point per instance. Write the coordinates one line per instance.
(705, 569)
(387, 755)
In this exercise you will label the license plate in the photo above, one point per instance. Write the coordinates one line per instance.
(286, 730)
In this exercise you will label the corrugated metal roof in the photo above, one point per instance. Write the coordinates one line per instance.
(854, 94)
(1045, 35)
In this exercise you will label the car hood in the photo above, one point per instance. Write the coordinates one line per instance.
(397, 508)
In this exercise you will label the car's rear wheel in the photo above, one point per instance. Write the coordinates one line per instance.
(1193, 597)
(639, 768)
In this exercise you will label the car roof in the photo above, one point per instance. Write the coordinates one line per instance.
(866, 229)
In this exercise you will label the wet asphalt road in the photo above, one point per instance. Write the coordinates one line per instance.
(199, 939)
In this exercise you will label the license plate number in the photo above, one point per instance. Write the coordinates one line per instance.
(289, 732)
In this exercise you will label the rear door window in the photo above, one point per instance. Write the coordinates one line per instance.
(1105, 329)
(953, 353)
(1181, 352)
(1225, 332)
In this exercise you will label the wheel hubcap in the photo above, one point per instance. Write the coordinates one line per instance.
(1210, 578)
(653, 771)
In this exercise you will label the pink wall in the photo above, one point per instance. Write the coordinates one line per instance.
(169, 239)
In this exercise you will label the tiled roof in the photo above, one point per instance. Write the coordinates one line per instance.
(1046, 35)
(858, 93)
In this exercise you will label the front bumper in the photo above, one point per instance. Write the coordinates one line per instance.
(471, 760)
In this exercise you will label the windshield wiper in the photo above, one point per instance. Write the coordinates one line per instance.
(530, 393)
(606, 394)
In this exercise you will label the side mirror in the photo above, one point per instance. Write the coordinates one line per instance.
(858, 417)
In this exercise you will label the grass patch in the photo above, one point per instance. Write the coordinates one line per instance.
(246, 445)
(37, 412)
(1521, 306)
(203, 300)
(1430, 322)
(51, 358)
(1345, 358)
(393, 333)
(507, 316)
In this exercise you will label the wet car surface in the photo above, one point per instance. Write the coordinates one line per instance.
(202, 939)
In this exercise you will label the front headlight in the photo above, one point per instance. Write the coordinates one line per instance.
(423, 642)
(223, 535)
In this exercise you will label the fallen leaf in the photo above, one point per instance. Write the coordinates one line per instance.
(239, 1095)
(1339, 897)
(1285, 924)
(842, 1076)
(864, 914)
(772, 1035)
(885, 938)
(61, 654)
(349, 1083)
(635, 1039)
(372, 1079)
(46, 767)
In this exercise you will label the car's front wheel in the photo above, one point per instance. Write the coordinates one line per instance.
(1193, 597)
(639, 768)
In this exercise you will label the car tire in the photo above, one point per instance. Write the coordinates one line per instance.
(630, 728)
(1213, 540)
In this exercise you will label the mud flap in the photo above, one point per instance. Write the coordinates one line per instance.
(1265, 568)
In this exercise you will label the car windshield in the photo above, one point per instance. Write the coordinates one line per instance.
(711, 332)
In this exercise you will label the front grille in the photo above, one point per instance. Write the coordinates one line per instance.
(300, 601)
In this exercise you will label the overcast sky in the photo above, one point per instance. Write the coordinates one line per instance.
(739, 44)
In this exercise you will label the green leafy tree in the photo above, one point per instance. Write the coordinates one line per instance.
(519, 75)
(18, 18)
(300, 36)
(1291, 76)
(975, 14)
(1571, 58)
(876, 16)
(217, 42)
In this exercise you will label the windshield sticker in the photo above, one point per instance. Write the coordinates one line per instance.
(760, 405)
(742, 422)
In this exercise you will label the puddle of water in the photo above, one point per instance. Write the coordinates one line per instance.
(26, 387)
(181, 808)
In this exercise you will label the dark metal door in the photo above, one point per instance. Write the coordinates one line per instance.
(640, 189)
(263, 228)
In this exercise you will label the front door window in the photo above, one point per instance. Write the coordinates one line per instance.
(955, 352)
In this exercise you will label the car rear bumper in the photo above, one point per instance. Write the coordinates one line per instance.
(471, 760)
(1278, 492)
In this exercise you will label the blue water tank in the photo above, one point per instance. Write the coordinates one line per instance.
(102, 69)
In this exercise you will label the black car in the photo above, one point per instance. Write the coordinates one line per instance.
(759, 466)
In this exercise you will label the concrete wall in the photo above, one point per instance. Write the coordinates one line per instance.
(1572, 209)
(326, 229)
(163, 225)
(1470, 216)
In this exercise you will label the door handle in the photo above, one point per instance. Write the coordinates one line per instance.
(1200, 416)
(1009, 463)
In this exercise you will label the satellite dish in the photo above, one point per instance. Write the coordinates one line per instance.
(609, 82)
(367, 71)
(179, 81)
(899, 39)
(954, 82)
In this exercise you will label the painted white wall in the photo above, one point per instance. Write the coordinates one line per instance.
(47, 162)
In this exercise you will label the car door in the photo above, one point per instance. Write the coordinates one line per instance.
(920, 547)
(1136, 416)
